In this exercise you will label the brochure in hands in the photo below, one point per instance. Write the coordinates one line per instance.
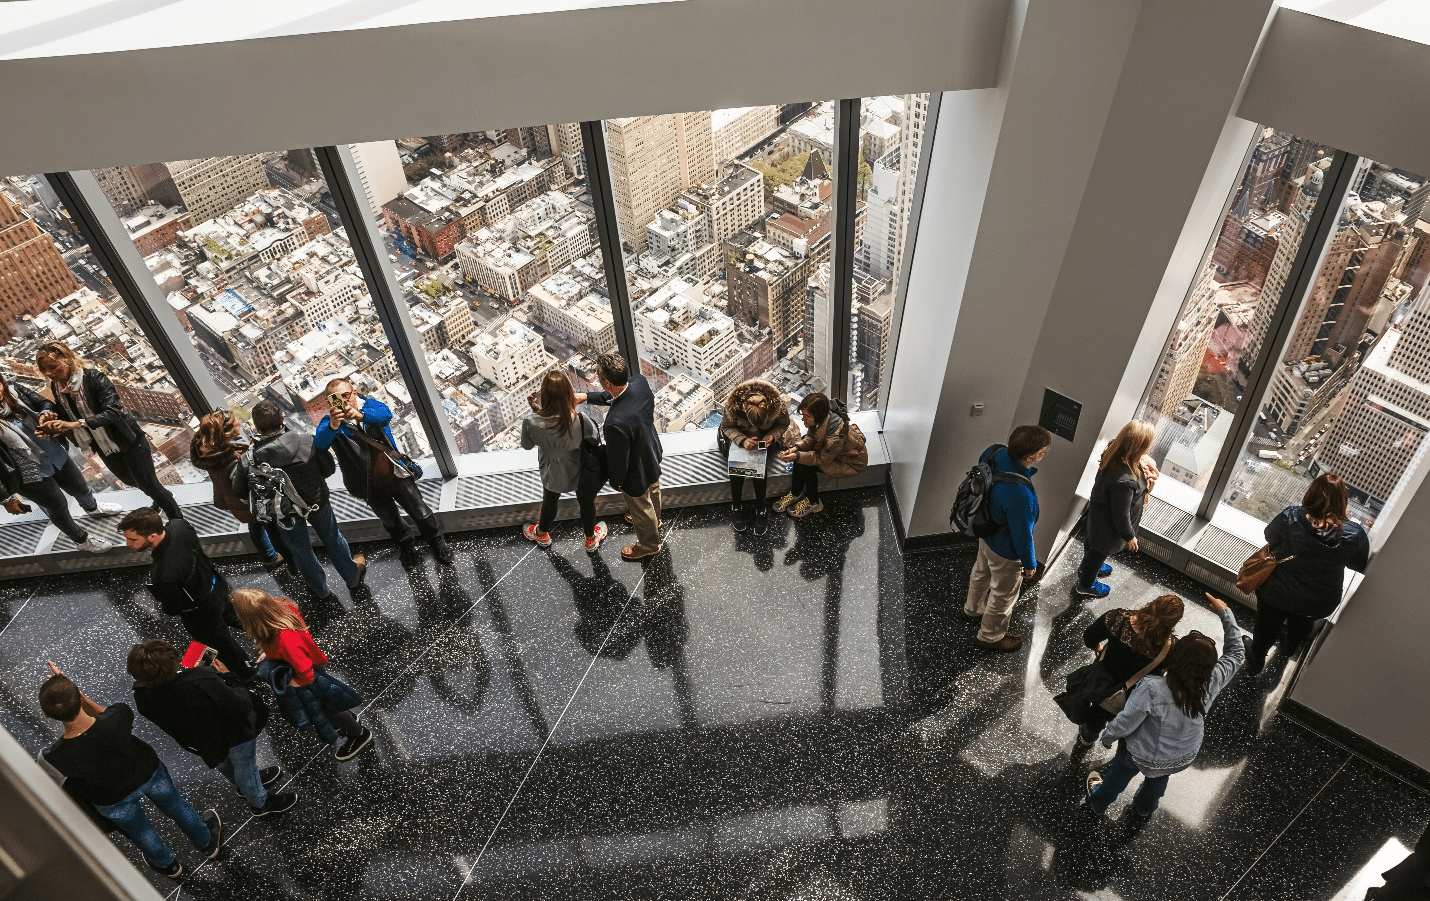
(749, 464)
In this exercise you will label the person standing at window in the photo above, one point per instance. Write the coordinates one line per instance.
(205, 710)
(105, 765)
(831, 445)
(377, 476)
(186, 584)
(307, 469)
(755, 414)
(308, 697)
(633, 449)
(87, 413)
(40, 469)
(1160, 730)
(1008, 556)
(1321, 542)
(215, 450)
(556, 428)
(1115, 508)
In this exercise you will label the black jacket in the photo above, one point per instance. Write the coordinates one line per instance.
(101, 396)
(11, 476)
(203, 712)
(1115, 509)
(183, 577)
(293, 452)
(633, 451)
(1311, 584)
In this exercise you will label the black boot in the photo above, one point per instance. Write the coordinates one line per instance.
(442, 552)
(762, 518)
(407, 554)
(737, 517)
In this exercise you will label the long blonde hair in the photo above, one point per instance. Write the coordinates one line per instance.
(1130, 445)
(58, 351)
(263, 616)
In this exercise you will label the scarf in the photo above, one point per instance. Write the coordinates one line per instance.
(73, 392)
(23, 450)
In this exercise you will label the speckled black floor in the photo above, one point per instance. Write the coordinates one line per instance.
(797, 716)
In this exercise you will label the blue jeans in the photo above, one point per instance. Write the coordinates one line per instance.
(267, 539)
(1115, 778)
(1087, 570)
(241, 768)
(131, 819)
(296, 541)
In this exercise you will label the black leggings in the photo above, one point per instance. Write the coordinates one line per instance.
(804, 482)
(134, 465)
(737, 488)
(50, 493)
(587, 503)
(1269, 621)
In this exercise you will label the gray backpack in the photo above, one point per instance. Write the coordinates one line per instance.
(272, 497)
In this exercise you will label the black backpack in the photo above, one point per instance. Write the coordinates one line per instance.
(271, 495)
(971, 515)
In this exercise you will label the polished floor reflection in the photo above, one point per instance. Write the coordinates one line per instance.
(801, 715)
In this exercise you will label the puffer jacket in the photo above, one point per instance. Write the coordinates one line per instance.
(835, 447)
(218, 462)
(767, 417)
(308, 706)
(1313, 581)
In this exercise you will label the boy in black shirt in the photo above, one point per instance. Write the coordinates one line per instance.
(186, 584)
(205, 711)
(104, 764)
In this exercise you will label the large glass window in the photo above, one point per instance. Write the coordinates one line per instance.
(1200, 381)
(726, 220)
(251, 255)
(51, 288)
(493, 239)
(891, 135)
(1350, 387)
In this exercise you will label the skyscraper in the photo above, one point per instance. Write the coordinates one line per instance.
(911, 143)
(379, 171)
(33, 274)
(653, 159)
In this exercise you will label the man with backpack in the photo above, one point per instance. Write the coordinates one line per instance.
(1006, 555)
(374, 470)
(185, 583)
(284, 477)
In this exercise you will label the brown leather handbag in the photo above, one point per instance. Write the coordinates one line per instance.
(1257, 569)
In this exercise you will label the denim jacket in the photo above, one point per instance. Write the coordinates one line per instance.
(1160, 737)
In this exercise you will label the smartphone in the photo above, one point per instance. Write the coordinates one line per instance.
(209, 656)
(763, 445)
(335, 403)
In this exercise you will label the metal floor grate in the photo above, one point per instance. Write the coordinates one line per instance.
(1161, 518)
(1223, 548)
(21, 539)
(498, 489)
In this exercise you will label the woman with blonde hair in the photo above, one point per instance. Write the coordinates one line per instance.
(215, 450)
(556, 429)
(87, 413)
(1115, 509)
(294, 667)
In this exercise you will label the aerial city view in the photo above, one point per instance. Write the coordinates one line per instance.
(1350, 392)
(726, 224)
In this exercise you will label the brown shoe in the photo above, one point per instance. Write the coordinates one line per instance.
(1009, 642)
(633, 553)
(627, 518)
(361, 561)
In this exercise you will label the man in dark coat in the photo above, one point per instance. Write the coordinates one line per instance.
(206, 711)
(186, 584)
(633, 450)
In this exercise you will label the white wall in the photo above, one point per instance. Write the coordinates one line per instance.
(82, 110)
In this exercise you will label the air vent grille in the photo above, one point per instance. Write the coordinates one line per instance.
(1161, 518)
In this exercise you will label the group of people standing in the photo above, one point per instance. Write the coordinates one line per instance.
(1148, 690)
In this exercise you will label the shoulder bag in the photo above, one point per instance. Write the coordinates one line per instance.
(593, 455)
(1258, 568)
(1114, 702)
(405, 466)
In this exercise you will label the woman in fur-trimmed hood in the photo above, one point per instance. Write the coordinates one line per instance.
(755, 412)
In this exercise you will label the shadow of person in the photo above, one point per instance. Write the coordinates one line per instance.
(600, 599)
(822, 541)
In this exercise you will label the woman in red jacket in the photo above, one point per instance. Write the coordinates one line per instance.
(278, 629)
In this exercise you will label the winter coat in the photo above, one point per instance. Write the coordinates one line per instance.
(1311, 584)
(834, 447)
(204, 712)
(557, 455)
(308, 706)
(354, 456)
(1115, 509)
(218, 462)
(770, 420)
(1015, 509)
(294, 453)
(633, 449)
(102, 398)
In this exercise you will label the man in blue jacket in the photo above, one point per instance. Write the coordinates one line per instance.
(633, 451)
(377, 474)
(1007, 557)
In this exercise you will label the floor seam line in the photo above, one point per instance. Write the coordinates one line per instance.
(496, 827)
(1282, 833)
(1356, 754)
(7, 626)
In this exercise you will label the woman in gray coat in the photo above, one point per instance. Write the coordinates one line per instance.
(555, 428)
(1115, 509)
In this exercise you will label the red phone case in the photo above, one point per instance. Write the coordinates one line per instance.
(191, 656)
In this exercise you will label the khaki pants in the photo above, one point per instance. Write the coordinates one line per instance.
(645, 517)
(992, 592)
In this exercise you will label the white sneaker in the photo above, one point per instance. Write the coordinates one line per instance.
(108, 508)
(95, 545)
